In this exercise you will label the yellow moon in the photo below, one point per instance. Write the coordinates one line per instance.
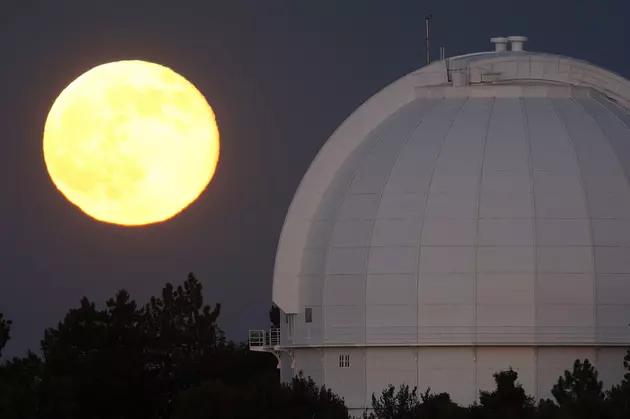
(131, 143)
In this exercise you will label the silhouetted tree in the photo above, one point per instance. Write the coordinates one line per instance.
(180, 333)
(303, 399)
(163, 360)
(213, 399)
(508, 400)
(95, 361)
(5, 329)
(126, 361)
(403, 404)
(129, 361)
(439, 406)
(618, 401)
(547, 409)
(579, 393)
(618, 396)
(19, 387)
(307, 400)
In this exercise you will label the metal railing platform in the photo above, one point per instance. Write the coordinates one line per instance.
(264, 338)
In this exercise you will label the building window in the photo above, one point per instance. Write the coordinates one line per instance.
(344, 361)
(308, 315)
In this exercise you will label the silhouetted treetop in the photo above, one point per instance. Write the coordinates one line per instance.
(579, 393)
(130, 361)
(5, 329)
(509, 399)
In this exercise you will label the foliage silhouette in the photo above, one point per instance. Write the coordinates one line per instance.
(5, 329)
(19, 387)
(439, 406)
(96, 361)
(130, 361)
(302, 399)
(168, 359)
(579, 393)
(508, 400)
(403, 404)
(618, 396)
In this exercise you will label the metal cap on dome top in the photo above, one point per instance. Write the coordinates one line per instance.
(500, 43)
(517, 42)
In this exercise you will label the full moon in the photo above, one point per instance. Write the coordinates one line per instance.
(131, 143)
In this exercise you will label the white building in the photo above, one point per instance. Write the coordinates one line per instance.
(472, 216)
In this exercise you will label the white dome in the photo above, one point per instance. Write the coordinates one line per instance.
(496, 213)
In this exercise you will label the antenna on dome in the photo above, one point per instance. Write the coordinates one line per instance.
(427, 45)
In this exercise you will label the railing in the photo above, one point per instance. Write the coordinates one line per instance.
(264, 338)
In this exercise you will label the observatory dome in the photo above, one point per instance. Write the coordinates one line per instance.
(470, 217)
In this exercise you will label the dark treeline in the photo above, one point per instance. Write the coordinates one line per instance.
(168, 359)
(577, 395)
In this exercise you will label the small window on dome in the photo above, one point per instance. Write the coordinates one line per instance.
(308, 315)
(344, 361)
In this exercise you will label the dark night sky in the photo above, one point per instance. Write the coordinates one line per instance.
(281, 75)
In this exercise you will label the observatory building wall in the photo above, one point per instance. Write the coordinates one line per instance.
(460, 371)
(445, 233)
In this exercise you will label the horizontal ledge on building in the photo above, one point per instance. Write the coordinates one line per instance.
(449, 345)
(507, 88)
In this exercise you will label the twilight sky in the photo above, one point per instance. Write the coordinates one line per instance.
(281, 75)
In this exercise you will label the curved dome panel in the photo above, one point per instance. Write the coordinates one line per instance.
(496, 220)
(503, 68)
